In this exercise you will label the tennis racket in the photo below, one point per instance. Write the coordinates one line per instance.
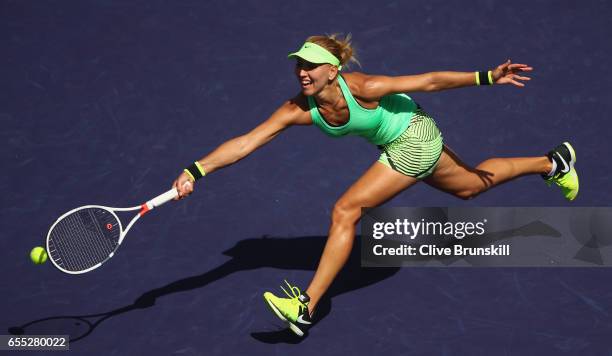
(84, 238)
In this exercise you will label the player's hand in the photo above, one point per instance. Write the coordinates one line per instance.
(184, 185)
(509, 73)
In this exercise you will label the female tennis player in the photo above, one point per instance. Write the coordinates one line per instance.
(412, 149)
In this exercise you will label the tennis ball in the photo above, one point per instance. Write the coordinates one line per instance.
(38, 255)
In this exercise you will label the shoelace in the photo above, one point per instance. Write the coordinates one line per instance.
(295, 294)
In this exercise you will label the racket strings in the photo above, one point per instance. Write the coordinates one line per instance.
(83, 239)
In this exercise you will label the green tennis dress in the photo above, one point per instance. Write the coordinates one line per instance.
(409, 138)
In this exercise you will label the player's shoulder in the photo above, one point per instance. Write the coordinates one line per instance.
(355, 79)
(360, 85)
(355, 76)
(296, 109)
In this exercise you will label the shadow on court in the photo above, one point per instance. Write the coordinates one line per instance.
(247, 254)
(252, 254)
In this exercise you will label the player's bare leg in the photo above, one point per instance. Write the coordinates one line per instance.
(379, 184)
(455, 177)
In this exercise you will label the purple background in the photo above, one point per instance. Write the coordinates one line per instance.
(104, 102)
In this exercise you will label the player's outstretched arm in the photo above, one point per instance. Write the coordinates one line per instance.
(235, 149)
(377, 86)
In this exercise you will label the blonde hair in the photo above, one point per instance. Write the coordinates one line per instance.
(341, 47)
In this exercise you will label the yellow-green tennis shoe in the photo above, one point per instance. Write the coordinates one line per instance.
(292, 310)
(564, 175)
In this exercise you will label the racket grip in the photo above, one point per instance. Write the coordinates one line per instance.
(162, 199)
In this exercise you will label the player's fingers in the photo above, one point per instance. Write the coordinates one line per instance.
(180, 188)
(188, 187)
(520, 67)
(175, 186)
(518, 84)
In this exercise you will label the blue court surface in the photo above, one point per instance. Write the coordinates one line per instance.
(105, 102)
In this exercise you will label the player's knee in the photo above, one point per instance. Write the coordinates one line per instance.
(345, 212)
(468, 194)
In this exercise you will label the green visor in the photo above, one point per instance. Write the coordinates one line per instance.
(314, 53)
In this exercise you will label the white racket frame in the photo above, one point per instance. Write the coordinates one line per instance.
(144, 208)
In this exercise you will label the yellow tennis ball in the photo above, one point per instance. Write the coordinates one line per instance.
(38, 255)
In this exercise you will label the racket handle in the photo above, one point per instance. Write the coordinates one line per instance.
(159, 200)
